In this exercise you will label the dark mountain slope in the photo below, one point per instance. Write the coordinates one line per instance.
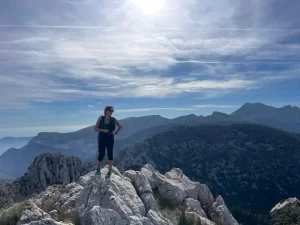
(83, 143)
(252, 166)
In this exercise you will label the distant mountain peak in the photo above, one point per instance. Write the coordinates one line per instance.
(217, 113)
(255, 105)
(286, 118)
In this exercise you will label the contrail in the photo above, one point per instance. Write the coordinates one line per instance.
(55, 27)
(237, 62)
(153, 28)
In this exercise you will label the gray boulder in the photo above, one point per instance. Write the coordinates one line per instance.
(192, 205)
(32, 213)
(143, 188)
(157, 218)
(194, 218)
(175, 187)
(286, 212)
(117, 195)
(220, 213)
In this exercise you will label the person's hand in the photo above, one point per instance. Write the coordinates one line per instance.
(114, 133)
(106, 131)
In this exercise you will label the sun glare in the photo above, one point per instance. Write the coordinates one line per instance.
(149, 6)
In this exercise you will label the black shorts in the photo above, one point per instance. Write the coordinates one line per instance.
(105, 141)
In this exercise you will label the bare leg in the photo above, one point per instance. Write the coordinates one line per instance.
(98, 164)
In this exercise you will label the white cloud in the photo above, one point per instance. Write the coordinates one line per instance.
(127, 54)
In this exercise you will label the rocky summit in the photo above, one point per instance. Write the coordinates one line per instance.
(143, 197)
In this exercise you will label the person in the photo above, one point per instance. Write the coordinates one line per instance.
(106, 126)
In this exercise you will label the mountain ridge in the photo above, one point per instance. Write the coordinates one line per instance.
(285, 118)
(252, 165)
(83, 143)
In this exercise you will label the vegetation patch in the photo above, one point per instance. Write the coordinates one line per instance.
(12, 215)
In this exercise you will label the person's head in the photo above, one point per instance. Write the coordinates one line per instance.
(108, 110)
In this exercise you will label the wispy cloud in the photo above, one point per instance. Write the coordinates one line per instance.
(114, 51)
(188, 108)
(154, 109)
(34, 129)
(215, 106)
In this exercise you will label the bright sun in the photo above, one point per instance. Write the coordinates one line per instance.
(149, 6)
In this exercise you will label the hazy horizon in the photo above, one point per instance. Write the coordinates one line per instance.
(164, 112)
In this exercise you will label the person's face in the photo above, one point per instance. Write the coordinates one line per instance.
(110, 111)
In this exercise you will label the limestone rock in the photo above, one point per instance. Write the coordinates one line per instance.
(143, 188)
(148, 171)
(53, 214)
(32, 213)
(149, 202)
(220, 213)
(175, 187)
(157, 218)
(194, 218)
(286, 212)
(62, 198)
(139, 181)
(126, 199)
(48, 169)
(116, 194)
(205, 197)
(192, 205)
(100, 216)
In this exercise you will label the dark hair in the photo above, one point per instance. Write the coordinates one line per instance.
(107, 108)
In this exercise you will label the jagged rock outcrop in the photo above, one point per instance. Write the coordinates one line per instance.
(131, 198)
(220, 213)
(51, 168)
(46, 169)
(286, 212)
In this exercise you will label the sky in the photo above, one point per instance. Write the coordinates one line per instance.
(63, 61)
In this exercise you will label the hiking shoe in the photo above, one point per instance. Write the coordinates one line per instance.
(108, 174)
(98, 171)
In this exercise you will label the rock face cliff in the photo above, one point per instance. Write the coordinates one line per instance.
(143, 197)
(46, 169)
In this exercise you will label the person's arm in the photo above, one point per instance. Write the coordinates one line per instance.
(97, 129)
(119, 125)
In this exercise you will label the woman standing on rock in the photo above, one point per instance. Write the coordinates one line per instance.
(106, 126)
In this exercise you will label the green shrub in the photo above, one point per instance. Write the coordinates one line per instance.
(184, 221)
(163, 203)
(290, 218)
(67, 218)
(12, 215)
